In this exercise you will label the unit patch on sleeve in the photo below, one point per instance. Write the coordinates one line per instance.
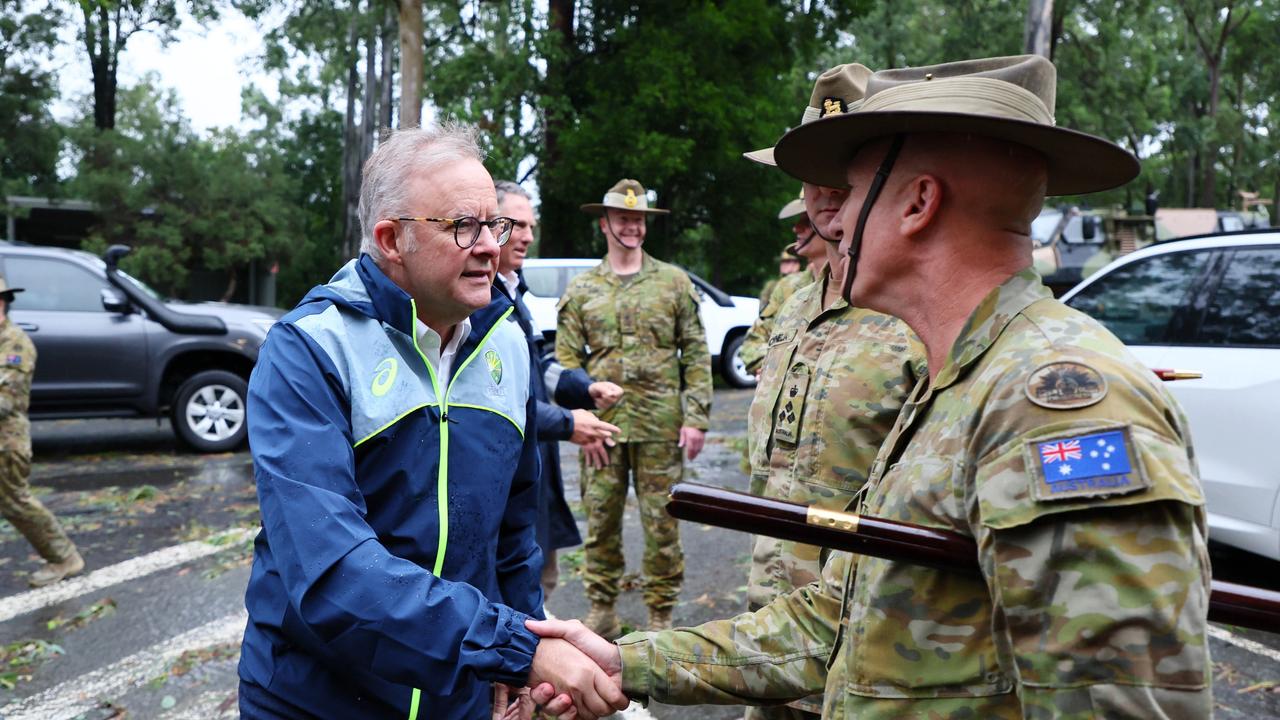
(1084, 466)
(1066, 385)
(13, 360)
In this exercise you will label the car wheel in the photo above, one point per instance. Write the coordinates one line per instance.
(731, 365)
(209, 411)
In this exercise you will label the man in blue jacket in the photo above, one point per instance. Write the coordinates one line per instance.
(392, 431)
(573, 390)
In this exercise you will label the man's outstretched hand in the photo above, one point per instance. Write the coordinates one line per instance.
(567, 670)
(604, 393)
(601, 652)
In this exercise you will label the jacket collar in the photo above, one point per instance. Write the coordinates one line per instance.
(389, 303)
(605, 270)
(987, 322)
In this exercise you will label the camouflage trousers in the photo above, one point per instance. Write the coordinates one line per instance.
(655, 467)
(780, 712)
(27, 514)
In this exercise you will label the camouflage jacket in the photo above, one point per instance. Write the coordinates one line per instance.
(645, 335)
(766, 292)
(17, 365)
(756, 343)
(832, 385)
(1094, 587)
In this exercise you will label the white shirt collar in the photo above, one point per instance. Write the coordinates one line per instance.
(512, 282)
(441, 359)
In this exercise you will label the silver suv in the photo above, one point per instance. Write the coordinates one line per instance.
(109, 346)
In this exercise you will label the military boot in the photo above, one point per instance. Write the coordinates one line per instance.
(659, 618)
(53, 572)
(603, 621)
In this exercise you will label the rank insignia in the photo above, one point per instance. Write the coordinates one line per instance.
(1066, 385)
(833, 106)
(1082, 466)
(786, 427)
(631, 200)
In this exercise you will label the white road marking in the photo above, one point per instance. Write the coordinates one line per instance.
(1244, 643)
(73, 697)
(130, 569)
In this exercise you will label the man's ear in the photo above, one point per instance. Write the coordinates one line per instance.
(384, 236)
(922, 198)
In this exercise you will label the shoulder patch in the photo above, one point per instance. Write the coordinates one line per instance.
(1066, 385)
(1094, 465)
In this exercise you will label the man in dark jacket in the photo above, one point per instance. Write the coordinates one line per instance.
(573, 390)
(393, 438)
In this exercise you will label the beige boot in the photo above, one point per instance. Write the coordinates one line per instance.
(53, 572)
(603, 621)
(659, 618)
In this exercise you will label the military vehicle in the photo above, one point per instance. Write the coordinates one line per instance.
(1072, 243)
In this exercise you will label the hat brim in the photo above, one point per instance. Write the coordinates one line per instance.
(11, 291)
(763, 156)
(598, 209)
(820, 152)
(795, 208)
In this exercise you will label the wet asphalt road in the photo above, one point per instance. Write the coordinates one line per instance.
(162, 642)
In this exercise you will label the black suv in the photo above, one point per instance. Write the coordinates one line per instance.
(109, 346)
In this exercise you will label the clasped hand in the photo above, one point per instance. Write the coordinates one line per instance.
(576, 675)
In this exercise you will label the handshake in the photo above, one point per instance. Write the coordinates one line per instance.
(576, 675)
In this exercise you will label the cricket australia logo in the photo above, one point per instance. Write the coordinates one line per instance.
(494, 361)
(384, 377)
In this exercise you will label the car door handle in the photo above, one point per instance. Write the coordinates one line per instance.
(1166, 374)
(29, 327)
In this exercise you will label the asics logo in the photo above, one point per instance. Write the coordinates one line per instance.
(385, 376)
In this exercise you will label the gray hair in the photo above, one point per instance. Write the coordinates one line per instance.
(506, 187)
(402, 154)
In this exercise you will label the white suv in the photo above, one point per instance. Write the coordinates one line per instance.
(726, 318)
(1210, 305)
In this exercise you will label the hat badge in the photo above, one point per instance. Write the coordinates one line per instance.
(833, 106)
(630, 200)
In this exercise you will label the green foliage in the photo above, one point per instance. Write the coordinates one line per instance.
(29, 137)
(183, 200)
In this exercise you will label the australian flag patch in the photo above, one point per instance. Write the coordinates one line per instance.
(13, 360)
(1084, 466)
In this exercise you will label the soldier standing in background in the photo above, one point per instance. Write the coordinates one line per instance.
(757, 340)
(18, 505)
(633, 320)
(788, 264)
(833, 381)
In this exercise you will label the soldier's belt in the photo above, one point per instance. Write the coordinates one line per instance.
(1229, 603)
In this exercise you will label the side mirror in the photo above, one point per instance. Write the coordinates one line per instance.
(114, 302)
(1089, 226)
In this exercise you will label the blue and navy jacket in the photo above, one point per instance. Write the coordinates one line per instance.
(396, 563)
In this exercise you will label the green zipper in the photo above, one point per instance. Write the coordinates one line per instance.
(442, 477)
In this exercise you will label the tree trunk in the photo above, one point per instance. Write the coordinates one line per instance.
(1038, 32)
(385, 110)
(410, 63)
(351, 151)
(556, 212)
(230, 292)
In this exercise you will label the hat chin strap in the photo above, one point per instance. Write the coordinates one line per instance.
(608, 223)
(873, 192)
(812, 231)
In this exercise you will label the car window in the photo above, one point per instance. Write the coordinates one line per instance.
(544, 281)
(1243, 311)
(53, 285)
(1141, 301)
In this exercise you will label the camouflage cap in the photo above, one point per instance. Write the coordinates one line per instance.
(1006, 98)
(625, 194)
(835, 90)
(7, 291)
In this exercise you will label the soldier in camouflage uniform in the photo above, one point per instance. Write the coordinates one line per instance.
(833, 381)
(788, 264)
(1035, 433)
(633, 320)
(757, 340)
(17, 504)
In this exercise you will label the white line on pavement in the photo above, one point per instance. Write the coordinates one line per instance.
(130, 569)
(73, 697)
(1244, 643)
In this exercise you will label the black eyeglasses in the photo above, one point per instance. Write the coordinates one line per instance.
(466, 229)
